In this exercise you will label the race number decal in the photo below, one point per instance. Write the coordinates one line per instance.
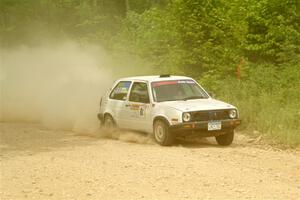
(138, 110)
(142, 111)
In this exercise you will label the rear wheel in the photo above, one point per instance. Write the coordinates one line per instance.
(225, 139)
(109, 122)
(162, 134)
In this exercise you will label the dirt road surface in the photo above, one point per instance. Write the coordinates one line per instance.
(37, 163)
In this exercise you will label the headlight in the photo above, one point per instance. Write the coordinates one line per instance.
(232, 114)
(186, 117)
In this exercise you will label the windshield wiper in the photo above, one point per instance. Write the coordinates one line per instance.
(193, 97)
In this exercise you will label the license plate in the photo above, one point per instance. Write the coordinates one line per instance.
(215, 125)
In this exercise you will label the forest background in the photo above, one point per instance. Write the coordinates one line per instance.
(246, 52)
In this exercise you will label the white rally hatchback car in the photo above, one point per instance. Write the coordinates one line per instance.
(169, 107)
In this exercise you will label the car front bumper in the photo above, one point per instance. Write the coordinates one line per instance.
(201, 128)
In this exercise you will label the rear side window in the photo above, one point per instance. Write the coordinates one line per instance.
(120, 91)
(139, 93)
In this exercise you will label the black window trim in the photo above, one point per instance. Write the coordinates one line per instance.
(148, 87)
(127, 95)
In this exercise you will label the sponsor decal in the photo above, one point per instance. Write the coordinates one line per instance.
(186, 81)
(157, 84)
(139, 110)
(134, 106)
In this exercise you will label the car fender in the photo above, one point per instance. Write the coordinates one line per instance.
(105, 107)
(109, 111)
(163, 118)
(168, 114)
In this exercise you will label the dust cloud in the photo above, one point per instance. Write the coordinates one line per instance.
(57, 86)
(122, 135)
(60, 87)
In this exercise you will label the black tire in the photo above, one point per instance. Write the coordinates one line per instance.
(109, 122)
(161, 133)
(226, 139)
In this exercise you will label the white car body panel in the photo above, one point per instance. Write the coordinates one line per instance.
(198, 104)
(140, 116)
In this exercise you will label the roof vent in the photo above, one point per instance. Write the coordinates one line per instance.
(164, 75)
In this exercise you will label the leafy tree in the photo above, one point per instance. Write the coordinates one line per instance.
(273, 31)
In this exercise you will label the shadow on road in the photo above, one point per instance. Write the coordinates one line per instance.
(207, 142)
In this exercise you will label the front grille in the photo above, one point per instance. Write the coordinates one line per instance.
(210, 115)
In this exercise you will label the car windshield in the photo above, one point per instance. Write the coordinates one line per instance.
(177, 90)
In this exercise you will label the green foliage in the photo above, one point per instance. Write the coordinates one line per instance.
(152, 37)
(268, 102)
(209, 39)
(273, 31)
(30, 22)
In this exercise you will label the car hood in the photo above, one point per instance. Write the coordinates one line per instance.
(198, 104)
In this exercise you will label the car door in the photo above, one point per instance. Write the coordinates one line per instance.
(118, 101)
(138, 107)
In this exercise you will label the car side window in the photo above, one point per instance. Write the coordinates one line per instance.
(139, 93)
(120, 91)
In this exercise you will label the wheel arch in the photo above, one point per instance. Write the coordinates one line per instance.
(162, 118)
(168, 137)
(108, 114)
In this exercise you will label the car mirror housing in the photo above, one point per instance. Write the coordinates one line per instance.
(211, 94)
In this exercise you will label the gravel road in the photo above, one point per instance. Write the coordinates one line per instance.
(37, 163)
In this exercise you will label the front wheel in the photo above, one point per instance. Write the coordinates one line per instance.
(226, 139)
(162, 134)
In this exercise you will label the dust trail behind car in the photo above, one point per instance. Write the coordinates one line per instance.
(122, 135)
(57, 86)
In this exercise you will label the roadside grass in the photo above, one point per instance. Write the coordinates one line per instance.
(269, 107)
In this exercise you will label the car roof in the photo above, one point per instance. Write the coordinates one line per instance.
(153, 78)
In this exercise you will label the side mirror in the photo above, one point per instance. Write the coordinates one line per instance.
(212, 94)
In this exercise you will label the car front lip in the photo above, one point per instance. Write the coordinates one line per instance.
(203, 125)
